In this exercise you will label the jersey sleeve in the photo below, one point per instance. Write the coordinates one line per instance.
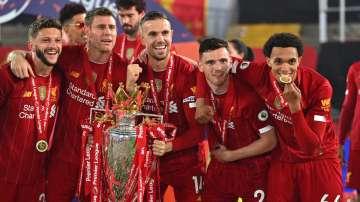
(261, 120)
(310, 127)
(348, 106)
(250, 72)
(6, 85)
(195, 132)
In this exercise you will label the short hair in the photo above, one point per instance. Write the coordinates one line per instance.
(283, 40)
(69, 11)
(101, 11)
(239, 46)
(210, 44)
(140, 5)
(249, 55)
(42, 23)
(153, 15)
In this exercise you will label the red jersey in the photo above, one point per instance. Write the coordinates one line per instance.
(181, 109)
(313, 123)
(78, 97)
(350, 111)
(244, 114)
(128, 50)
(20, 162)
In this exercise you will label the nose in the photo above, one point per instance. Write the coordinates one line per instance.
(125, 20)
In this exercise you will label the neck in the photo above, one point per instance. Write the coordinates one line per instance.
(159, 65)
(132, 37)
(221, 89)
(40, 68)
(98, 57)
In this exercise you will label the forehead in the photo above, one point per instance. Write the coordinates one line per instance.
(127, 11)
(157, 25)
(79, 17)
(103, 20)
(49, 32)
(287, 52)
(215, 54)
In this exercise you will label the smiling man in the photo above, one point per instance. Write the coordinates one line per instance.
(305, 167)
(172, 82)
(87, 73)
(29, 107)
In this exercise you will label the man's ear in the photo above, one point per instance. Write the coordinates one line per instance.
(29, 45)
(268, 61)
(201, 66)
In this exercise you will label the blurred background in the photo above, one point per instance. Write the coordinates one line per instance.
(330, 29)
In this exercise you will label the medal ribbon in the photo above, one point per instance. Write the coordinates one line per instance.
(222, 120)
(88, 73)
(283, 103)
(122, 51)
(42, 121)
(168, 81)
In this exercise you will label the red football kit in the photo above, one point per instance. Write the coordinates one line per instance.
(29, 109)
(128, 50)
(174, 91)
(349, 124)
(240, 117)
(298, 171)
(85, 86)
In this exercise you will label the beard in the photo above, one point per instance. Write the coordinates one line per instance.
(41, 55)
(130, 30)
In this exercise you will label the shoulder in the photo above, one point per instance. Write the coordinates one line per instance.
(312, 78)
(183, 66)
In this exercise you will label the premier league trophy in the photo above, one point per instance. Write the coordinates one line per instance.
(120, 128)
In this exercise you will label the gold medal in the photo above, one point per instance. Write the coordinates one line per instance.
(285, 79)
(41, 146)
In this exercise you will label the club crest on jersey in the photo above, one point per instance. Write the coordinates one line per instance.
(193, 89)
(263, 115)
(129, 53)
(325, 104)
(42, 93)
(158, 85)
(277, 103)
(74, 74)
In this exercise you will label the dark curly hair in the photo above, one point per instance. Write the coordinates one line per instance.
(283, 40)
(140, 5)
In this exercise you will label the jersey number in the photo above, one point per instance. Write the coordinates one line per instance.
(198, 183)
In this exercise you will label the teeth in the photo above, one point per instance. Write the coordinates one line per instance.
(160, 47)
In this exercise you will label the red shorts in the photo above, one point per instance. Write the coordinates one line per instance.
(22, 192)
(353, 174)
(226, 182)
(187, 182)
(312, 181)
(62, 180)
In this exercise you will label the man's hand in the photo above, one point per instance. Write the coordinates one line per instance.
(132, 75)
(19, 65)
(292, 96)
(204, 113)
(222, 154)
(161, 147)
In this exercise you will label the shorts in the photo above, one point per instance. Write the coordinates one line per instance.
(353, 173)
(187, 182)
(311, 181)
(226, 182)
(62, 180)
(10, 192)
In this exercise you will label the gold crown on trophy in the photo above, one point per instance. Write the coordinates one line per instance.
(132, 102)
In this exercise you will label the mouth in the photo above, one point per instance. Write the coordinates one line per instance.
(106, 41)
(52, 52)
